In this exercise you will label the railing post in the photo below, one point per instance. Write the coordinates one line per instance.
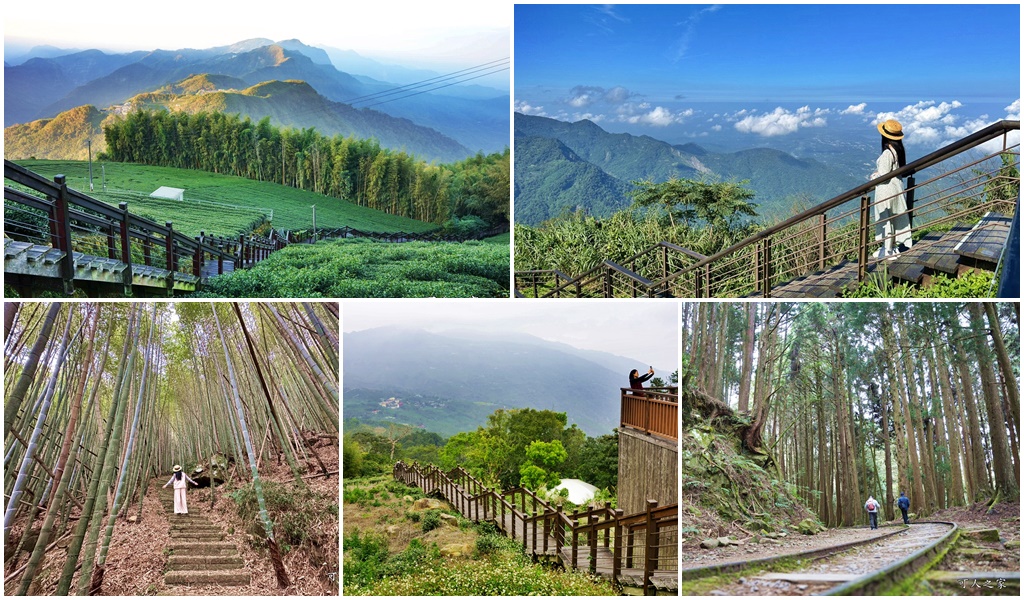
(171, 259)
(197, 257)
(241, 251)
(126, 249)
(651, 548)
(534, 520)
(592, 540)
(220, 256)
(617, 552)
(608, 290)
(707, 281)
(147, 248)
(607, 531)
(862, 242)
(664, 262)
(575, 544)
(559, 530)
(767, 260)
(62, 229)
(821, 242)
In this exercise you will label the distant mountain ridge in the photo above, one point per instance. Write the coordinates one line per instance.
(42, 88)
(569, 174)
(476, 376)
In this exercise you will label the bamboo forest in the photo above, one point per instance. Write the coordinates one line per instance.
(106, 405)
(809, 426)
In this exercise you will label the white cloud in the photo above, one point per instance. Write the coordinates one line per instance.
(936, 124)
(585, 95)
(781, 121)
(526, 108)
(716, 128)
(854, 109)
(1013, 110)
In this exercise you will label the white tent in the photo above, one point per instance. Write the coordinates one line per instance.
(580, 492)
(168, 193)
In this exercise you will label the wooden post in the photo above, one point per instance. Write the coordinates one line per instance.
(575, 543)
(592, 539)
(559, 530)
(62, 229)
(617, 552)
(707, 281)
(126, 249)
(651, 548)
(147, 248)
(911, 190)
(629, 548)
(534, 520)
(767, 259)
(241, 252)
(171, 259)
(220, 256)
(607, 531)
(197, 257)
(862, 243)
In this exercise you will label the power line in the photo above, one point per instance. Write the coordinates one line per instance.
(436, 88)
(434, 80)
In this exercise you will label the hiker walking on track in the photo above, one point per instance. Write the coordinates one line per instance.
(179, 480)
(872, 507)
(892, 220)
(904, 503)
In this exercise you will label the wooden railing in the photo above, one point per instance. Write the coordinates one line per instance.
(651, 410)
(838, 230)
(626, 549)
(71, 221)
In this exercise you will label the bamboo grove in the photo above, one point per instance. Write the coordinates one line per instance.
(356, 170)
(102, 398)
(844, 400)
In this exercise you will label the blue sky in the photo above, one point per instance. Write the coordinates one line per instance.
(768, 70)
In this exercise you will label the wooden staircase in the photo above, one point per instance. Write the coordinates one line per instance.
(960, 250)
(199, 554)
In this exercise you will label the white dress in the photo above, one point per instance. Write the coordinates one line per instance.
(180, 504)
(892, 222)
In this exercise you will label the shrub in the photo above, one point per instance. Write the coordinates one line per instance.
(431, 520)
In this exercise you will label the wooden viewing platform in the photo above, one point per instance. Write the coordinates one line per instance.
(638, 552)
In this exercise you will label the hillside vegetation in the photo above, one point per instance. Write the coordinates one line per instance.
(290, 206)
(63, 137)
(362, 268)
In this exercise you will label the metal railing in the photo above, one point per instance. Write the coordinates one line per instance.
(833, 232)
(70, 221)
(602, 540)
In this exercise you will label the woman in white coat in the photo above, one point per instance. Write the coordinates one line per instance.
(892, 221)
(179, 479)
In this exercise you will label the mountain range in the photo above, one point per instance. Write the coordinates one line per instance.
(451, 382)
(474, 118)
(564, 166)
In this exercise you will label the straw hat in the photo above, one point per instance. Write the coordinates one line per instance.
(177, 468)
(891, 129)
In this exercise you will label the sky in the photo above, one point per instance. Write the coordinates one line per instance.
(645, 331)
(432, 34)
(765, 71)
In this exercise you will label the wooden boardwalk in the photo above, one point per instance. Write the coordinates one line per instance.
(637, 552)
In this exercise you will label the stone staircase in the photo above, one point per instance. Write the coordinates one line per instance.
(198, 552)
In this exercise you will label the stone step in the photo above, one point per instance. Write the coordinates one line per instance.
(193, 528)
(197, 537)
(184, 548)
(204, 563)
(235, 577)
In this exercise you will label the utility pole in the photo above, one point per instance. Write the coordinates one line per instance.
(314, 223)
(88, 144)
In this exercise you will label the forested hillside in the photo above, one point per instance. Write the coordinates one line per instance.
(778, 179)
(358, 170)
(843, 401)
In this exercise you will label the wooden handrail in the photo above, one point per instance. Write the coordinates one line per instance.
(64, 206)
(604, 527)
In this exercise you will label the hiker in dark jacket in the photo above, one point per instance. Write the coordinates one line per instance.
(904, 503)
(872, 507)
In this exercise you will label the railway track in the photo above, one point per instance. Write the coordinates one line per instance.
(871, 567)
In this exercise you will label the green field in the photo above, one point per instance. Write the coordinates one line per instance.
(206, 195)
(362, 268)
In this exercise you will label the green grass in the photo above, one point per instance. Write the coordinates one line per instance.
(290, 206)
(360, 268)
